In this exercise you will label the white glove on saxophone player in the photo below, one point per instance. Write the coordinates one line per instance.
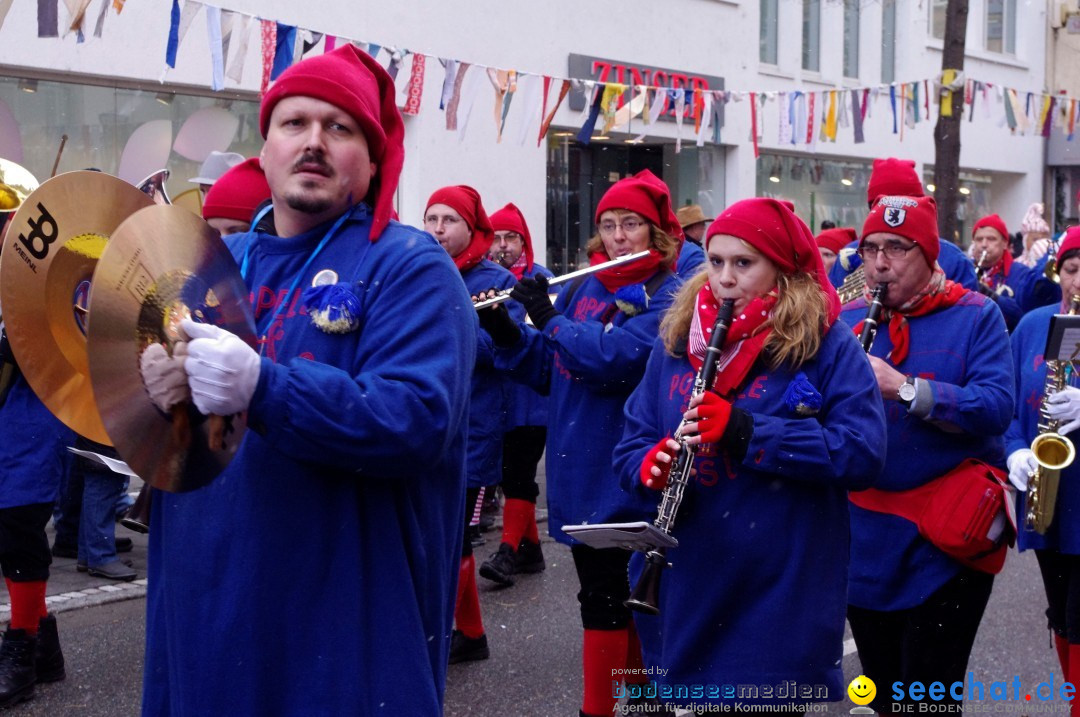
(1064, 405)
(164, 375)
(1021, 464)
(222, 370)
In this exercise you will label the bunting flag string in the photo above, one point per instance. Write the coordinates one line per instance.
(564, 90)
(416, 85)
(269, 46)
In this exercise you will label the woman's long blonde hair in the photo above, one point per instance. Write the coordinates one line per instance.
(667, 245)
(797, 319)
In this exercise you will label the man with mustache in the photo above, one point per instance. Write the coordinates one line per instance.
(316, 574)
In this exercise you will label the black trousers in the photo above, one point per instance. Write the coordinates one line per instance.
(1061, 579)
(24, 547)
(604, 586)
(522, 448)
(927, 643)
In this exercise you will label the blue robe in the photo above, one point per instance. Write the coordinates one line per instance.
(33, 451)
(527, 407)
(756, 594)
(316, 574)
(1028, 344)
(961, 352)
(691, 259)
(588, 360)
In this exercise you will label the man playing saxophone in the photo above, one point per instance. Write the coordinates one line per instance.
(1056, 547)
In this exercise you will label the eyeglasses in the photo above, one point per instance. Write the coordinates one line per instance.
(629, 226)
(893, 251)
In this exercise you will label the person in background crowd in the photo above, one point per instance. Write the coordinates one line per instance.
(30, 472)
(455, 216)
(316, 574)
(1010, 284)
(831, 241)
(588, 352)
(692, 220)
(826, 224)
(1058, 551)
(231, 203)
(755, 527)
(523, 444)
(947, 386)
(897, 177)
(1036, 236)
(215, 165)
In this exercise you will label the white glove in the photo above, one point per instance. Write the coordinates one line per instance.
(222, 370)
(1021, 465)
(1064, 405)
(164, 375)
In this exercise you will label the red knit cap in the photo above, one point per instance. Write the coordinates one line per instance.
(1068, 243)
(913, 218)
(994, 222)
(237, 193)
(645, 194)
(780, 235)
(355, 82)
(466, 201)
(893, 177)
(836, 239)
(510, 219)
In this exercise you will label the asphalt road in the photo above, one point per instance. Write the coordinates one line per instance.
(535, 644)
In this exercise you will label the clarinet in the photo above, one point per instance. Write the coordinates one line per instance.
(645, 596)
(870, 323)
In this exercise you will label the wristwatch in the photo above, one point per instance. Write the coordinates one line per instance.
(906, 393)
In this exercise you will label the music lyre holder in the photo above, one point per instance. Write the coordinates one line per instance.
(638, 535)
(1063, 339)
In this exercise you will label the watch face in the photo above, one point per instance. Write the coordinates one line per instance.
(907, 392)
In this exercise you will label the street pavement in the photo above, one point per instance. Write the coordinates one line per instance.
(533, 631)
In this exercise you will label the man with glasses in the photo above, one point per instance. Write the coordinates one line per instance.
(946, 381)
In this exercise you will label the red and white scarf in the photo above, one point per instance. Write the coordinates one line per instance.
(745, 339)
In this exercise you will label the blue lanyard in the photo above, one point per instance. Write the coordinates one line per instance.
(303, 270)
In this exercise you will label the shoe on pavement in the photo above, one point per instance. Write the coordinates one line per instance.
(124, 545)
(17, 675)
(500, 567)
(64, 550)
(48, 658)
(530, 559)
(468, 649)
(116, 570)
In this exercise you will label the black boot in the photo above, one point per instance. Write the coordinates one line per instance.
(499, 567)
(467, 649)
(529, 559)
(48, 658)
(17, 674)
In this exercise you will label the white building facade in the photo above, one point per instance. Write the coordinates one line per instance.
(104, 91)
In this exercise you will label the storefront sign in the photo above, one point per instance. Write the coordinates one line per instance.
(607, 70)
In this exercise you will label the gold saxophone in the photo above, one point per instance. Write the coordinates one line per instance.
(1052, 450)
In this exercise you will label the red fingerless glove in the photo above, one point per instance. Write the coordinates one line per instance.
(713, 415)
(647, 478)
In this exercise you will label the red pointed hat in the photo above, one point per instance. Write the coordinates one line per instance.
(994, 222)
(646, 194)
(352, 80)
(510, 219)
(895, 177)
(237, 193)
(836, 239)
(1068, 243)
(913, 218)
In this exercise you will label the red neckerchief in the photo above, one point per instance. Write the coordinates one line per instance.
(744, 341)
(939, 293)
(636, 272)
(519, 266)
(999, 272)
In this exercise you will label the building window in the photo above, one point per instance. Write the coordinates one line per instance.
(1001, 26)
(769, 22)
(888, 41)
(851, 38)
(811, 35)
(937, 18)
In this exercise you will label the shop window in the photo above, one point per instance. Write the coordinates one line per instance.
(937, 18)
(888, 41)
(821, 189)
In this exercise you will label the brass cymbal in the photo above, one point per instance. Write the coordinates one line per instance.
(163, 264)
(50, 250)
